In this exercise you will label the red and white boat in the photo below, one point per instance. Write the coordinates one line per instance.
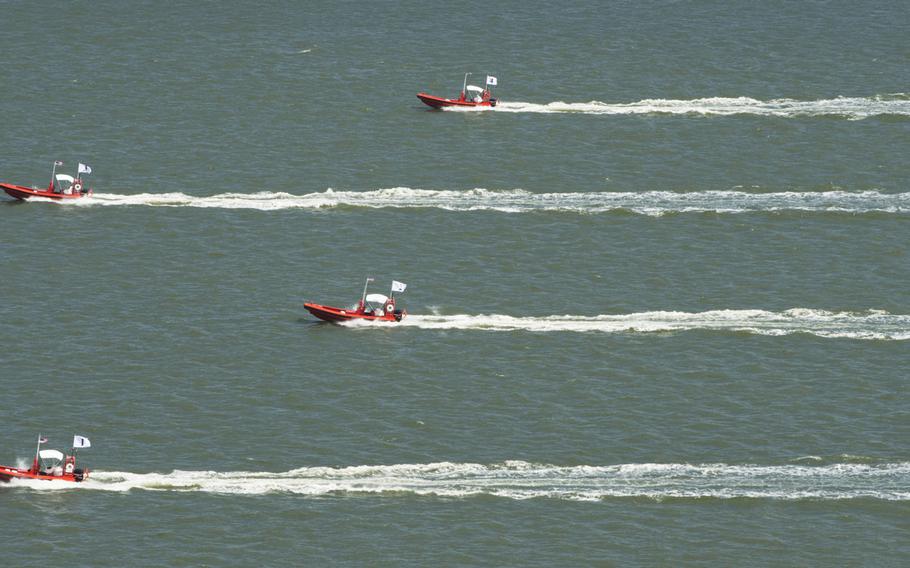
(372, 307)
(471, 96)
(50, 465)
(62, 186)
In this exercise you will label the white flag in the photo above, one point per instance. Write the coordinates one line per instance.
(58, 163)
(491, 81)
(398, 286)
(81, 442)
(83, 169)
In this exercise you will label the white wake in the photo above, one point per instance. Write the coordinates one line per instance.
(876, 325)
(522, 480)
(853, 108)
(654, 203)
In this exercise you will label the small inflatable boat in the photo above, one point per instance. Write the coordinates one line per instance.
(50, 465)
(372, 307)
(61, 187)
(471, 96)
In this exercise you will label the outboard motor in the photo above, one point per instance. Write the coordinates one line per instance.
(390, 309)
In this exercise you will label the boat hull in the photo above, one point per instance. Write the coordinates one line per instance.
(22, 193)
(440, 102)
(7, 474)
(338, 315)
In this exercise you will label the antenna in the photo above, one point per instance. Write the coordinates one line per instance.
(37, 451)
(53, 172)
(363, 298)
(464, 87)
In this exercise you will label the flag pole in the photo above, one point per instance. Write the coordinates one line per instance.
(37, 450)
(363, 297)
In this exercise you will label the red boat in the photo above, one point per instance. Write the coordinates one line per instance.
(471, 96)
(50, 465)
(61, 187)
(372, 307)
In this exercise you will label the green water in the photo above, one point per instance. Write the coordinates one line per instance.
(657, 299)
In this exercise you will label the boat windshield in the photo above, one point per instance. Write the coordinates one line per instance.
(51, 461)
(474, 93)
(63, 183)
(376, 303)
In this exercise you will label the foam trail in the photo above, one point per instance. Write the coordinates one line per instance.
(522, 480)
(654, 203)
(872, 325)
(852, 108)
